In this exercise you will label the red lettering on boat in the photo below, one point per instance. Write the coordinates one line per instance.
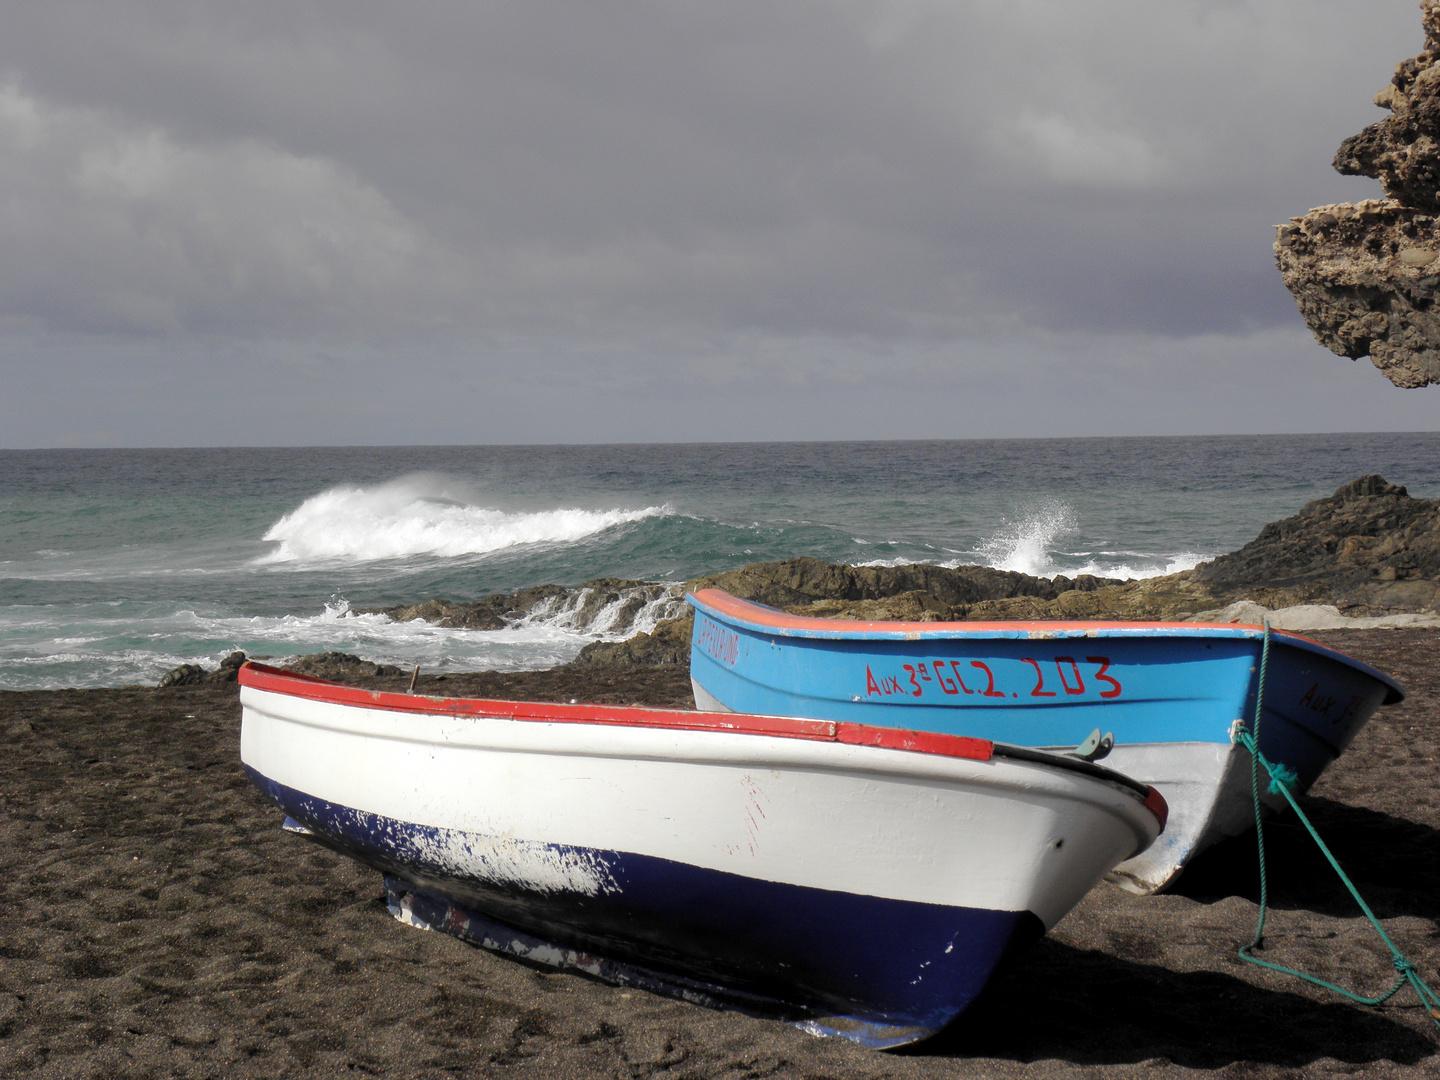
(989, 690)
(1039, 679)
(1079, 687)
(948, 685)
(1100, 676)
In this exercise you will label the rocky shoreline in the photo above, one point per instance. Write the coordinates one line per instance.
(165, 925)
(1370, 551)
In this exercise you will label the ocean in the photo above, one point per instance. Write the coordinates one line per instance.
(118, 565)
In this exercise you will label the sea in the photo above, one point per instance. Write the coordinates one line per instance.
(118, 565)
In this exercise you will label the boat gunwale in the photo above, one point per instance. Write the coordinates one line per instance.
(762, 619)
(264, 677)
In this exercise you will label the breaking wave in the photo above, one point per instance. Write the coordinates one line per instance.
(1025, 545)
(1029, 545)
(424, 516)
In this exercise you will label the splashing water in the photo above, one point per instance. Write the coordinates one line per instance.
(1025, 545)
(421, 516)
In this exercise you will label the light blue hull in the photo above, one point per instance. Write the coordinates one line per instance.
(1164, 689)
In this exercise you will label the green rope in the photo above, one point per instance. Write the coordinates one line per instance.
(1281, 780)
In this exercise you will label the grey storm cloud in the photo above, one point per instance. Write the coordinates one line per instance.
(796, 191)
(870, 168)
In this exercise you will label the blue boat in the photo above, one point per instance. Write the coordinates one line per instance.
(1170, 693)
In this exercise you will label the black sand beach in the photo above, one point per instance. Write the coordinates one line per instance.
(159, 923)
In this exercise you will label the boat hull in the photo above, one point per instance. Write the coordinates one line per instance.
(1170, 693)
(871, 890)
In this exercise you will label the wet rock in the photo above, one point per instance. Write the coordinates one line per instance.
(667, 645)
(606, 605)
(194, 674)
(340, 666)
(229, 669)
(184, 675)
(1369, 550)
(1366, 275)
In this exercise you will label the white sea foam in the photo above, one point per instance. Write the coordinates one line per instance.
(1025, 545)
(1136, 565)
(421, 516)
(632, 611)
(1028, 544)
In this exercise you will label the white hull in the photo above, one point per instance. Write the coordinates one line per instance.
(816, 865)
(891, 823)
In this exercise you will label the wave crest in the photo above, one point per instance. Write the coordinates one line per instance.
(420, 516)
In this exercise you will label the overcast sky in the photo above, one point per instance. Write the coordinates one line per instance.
(439, 222)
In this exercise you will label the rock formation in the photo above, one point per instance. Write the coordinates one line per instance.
(1365, 275)
(194, 674)
(1369, 550)
(609, 605)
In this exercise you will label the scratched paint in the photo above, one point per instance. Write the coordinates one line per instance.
(752, 815)
(546, 869)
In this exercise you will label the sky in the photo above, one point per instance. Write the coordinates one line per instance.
(348, 222)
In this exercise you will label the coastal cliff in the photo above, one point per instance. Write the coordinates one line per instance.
(1366, 275)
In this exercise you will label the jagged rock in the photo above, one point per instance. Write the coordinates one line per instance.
(228, 670)
(494, 612)
(1366, 275)
(1369, 550)
(1401, 151)
(192, 674)
(341, 666)
(667, 644)
(583, 604)
(1370, 545)
(184, 675)
(804, 581)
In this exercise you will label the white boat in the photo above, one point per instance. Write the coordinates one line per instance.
(861, 881)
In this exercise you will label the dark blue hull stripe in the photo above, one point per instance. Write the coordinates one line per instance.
(863, 961)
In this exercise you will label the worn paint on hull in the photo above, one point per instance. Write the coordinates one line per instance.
(797, 871)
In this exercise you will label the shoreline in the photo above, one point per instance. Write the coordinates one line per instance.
(161, 923)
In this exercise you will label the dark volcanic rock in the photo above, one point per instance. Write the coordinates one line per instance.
(934, 592)
(1370, 544)
(194, 674)
(1369, 549)
(667, 644)
(341, 666)
(184, 675)
(582, 606)
(493, 612)
(804, 586)
(1365, 275)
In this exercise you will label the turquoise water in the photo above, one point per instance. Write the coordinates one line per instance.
(116, 565)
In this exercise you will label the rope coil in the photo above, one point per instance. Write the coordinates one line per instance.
(1281, 779)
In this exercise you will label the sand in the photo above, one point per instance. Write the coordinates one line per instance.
(158, 922)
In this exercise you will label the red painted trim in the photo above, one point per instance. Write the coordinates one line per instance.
(923, 742)
(1156, 804)
(748, 611)
(279, 681)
